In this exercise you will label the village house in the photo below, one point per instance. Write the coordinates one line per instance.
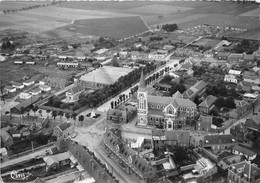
(54, 162)
(36, 91)
(249, 60)
(223, 55)
(23, 106)
(6, 138)
(197, 89)
(253, 123)
(121, 115)
(73, 93)
(67, 64)
(230, 79)
(28, 82)
(242, 107)
(235, 58)
(239, 131)
(17, 85)
(204, 123)
(45, 88)
(219, 143)
(10, 89)
(207, 104)
(24, 95)
(240, 150)
(63, 130)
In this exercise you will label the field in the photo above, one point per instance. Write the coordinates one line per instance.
(124, 19)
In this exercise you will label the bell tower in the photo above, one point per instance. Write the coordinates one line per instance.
(142, 96)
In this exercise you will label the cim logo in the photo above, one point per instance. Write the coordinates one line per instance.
(15, 175)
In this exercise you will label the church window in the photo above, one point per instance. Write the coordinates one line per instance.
(170, 111)
(158, 106)
(152, 106)
(169, 125)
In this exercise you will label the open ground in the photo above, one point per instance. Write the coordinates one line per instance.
(124, 19)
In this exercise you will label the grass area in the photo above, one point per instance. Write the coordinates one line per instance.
(109, 27)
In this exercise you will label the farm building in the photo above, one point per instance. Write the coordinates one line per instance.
(67, 64)
(28, 82)
(36, 91)
(105, 75)
(10, 89)
(18, 62)
(45, 88)
(17, 85)
(30, 63)
(24, 95)
(21, 108)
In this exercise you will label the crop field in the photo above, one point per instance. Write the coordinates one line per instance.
(124, 19)
(110, 27)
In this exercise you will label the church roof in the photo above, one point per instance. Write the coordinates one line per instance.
(159, 100)
(142, 80)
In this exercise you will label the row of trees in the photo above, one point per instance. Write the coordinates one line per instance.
(228, 103)
(220, 89)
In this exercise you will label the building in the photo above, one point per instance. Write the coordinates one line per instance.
(134, 164)
(204, 123)
(239, 131)
(230, 78)
(17, 85)
(240, 150)
(235, 58)
(251, 97)
(55, 161)
(28, 82)
(36, 91)
(223, 55)
(103, 76)
(234, 72)
(10, 89)
(219, 142)
(205, 167)
(67, 64)
(253, 123)
(63, 130)
(73, 93)
(168, 112)
(243, 172)
(207, 104)
(249, 60)
(121, 116)
(24, 95)
(3, 154)
(45, 88)
(196, 90)
(6, 138)
(21, 107)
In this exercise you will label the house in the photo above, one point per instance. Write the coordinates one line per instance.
(196, 90)
(55, 161)
(239, 131)
(135, 164)
(204, 123)
(63, 130)
(67, 64)
(253, 123)
(162, 86)
(18, 62)
(24, 95)
(235, 58)
(36, 91)
(3, 154)
(10, 89)
(121, 116)
(186, 66)
(17, 85)
(230, 78)
(73, 93)
(242, 106)
(28, 82)
(240, 150)
(243, 172)
(219, 142)
(207, 104)
(251, 97)
(6, 138)
(45, 88)
(205, 167)
(223, 55)
(234, 72)
(30, 63)
(21, 107)
(249, 60)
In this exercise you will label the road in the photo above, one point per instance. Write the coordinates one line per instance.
(26, 157)
(112, 167)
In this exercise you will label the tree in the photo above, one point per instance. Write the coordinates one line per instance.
(230, 103)
(177, 87)
(81, 119)
(60, 113)
(35, 109)
(48, 111)
(219, 103)
(217, 121)
(40, 112)
(67, 115)
(54, 114)
(114, 62)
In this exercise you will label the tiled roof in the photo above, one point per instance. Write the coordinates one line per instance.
(155, 112)
(28, 102)
(181, 102)
(177, 95)
(244, 150)
(179, 136)
(219, 139)
(207, 119)
(209, 101)
(247, 168)
(76, 89)
(159, 100)
(64, 126)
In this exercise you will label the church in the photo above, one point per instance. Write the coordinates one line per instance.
(170, 112)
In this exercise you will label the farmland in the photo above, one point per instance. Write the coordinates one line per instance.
(124, 19)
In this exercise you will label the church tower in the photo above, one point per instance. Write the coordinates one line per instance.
(142, 96)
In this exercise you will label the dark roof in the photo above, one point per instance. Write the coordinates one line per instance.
(197, 87)
(64, 126)
(208, 102)
(76, 89)
(223, 54)
(219, 139)
(255, 171)
(207, 119)
(27, 102)
(244, 150)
